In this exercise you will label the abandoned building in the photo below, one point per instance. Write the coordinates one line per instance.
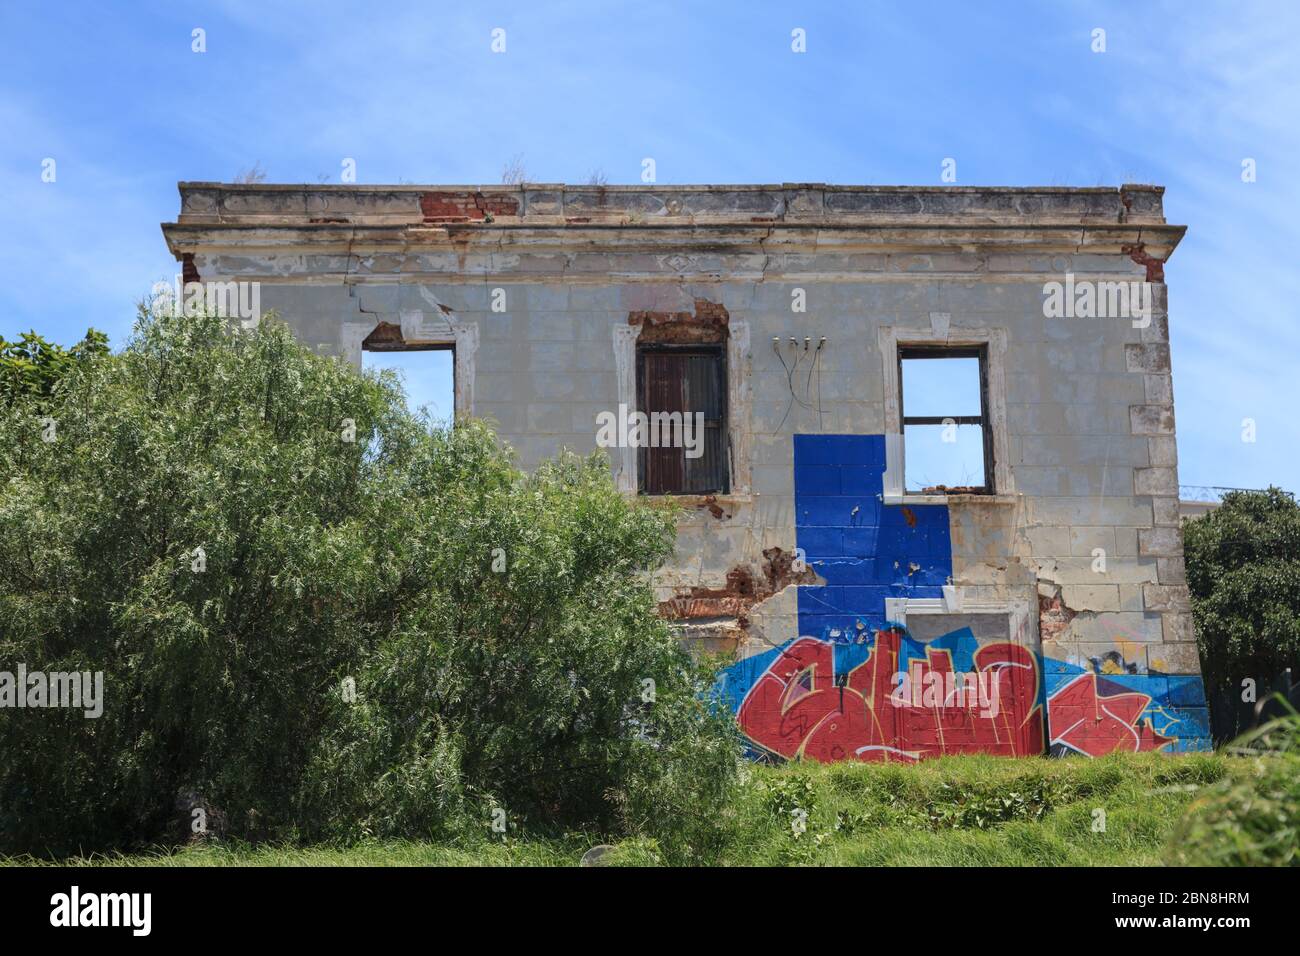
(931, 503)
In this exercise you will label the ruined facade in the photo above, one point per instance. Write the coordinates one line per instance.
(1034, 603)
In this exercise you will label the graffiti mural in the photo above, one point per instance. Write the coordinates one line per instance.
(865, 688)
(1091, 724)
(895, 699)
(1095, 713)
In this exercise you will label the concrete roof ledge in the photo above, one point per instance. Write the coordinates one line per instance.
(558, 204)
(1125, 220)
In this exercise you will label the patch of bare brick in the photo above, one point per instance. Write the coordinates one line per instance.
(743, 590)
(465, 207)
(1139, 254)
(707, 326)
(1053, 616)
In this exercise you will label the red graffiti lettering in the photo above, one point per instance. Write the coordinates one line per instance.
(1093, 725)
(796, 708)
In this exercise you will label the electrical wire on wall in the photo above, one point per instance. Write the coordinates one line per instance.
(817, 367)
(791, 372)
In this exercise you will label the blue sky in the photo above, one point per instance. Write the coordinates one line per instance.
(427, 378)
(712, 91)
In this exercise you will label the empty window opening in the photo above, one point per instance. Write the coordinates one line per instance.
(690, 381)
(426, 372)
(944, 404)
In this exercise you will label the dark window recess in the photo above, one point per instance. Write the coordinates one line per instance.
(684, 379)
(943, 397)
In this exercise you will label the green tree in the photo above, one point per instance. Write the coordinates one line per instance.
(238, 533)
(31, 367)
(1243, 570)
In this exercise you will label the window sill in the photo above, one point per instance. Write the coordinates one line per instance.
(958, 498)
(717, 505)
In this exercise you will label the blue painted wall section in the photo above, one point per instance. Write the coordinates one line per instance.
(864, 550)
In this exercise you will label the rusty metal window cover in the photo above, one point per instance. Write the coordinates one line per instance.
(979, 352)
(686, 379)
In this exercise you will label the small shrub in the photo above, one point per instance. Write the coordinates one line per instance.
(785, 795)
(963, 808)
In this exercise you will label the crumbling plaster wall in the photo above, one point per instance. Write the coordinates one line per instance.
(545, 369)
(1089, 462)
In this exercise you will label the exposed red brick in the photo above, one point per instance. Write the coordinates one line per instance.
(697, 608)
(707, 326)
(1053, 616)
(189, 271)
(711, 503)
(465, 207)
(743, 590)
(385, 335)
(1139, 254)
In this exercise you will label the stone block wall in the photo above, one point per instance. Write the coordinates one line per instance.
(1060, 597)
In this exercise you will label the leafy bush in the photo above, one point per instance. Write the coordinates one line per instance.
(1253, 820)
(963, 808)
(1243, 570)
(32, 367)
(548, 689)
(231, 528)
(785, 796)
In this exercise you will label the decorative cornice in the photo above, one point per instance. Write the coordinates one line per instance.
(790, 219)
(557, 204)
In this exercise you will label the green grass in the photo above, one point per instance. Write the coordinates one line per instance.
(1254, 818)
(973, 811)
(395, 853)
(956, 811)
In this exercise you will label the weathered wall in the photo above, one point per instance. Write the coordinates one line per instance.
(545, 290)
